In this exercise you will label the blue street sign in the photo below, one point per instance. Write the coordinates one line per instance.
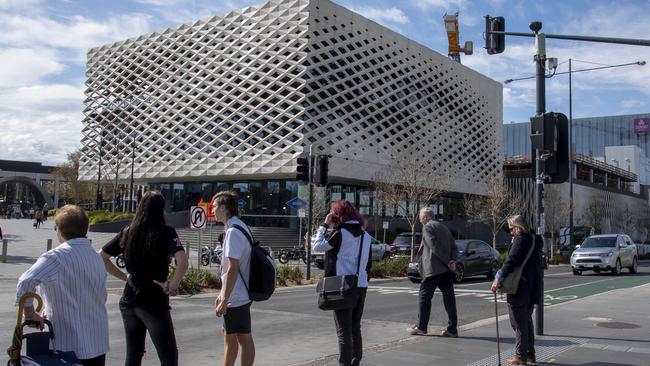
(242, 202)
(296, 203)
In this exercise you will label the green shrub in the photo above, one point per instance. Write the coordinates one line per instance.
(287, 274)
(560, 259)
(194, 281)
(390, 267)
(122, 216)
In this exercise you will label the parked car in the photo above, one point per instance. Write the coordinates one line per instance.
(378, 252)
(611, 252)
(475, 257)
(402, 243)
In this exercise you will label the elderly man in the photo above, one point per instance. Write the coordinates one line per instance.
(72, 281)
(437, 263)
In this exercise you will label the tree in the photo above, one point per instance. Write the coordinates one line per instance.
(494, 208)
(642, 223)
(594, 213)
(556, 211)
(407, 184)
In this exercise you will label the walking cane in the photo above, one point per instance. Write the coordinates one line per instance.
(496, 313)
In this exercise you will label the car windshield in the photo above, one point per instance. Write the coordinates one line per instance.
(405, 240)
(599, 242)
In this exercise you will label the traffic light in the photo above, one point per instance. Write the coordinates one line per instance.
(549, 134)
(320, 170)
(302, 170)
(495, 43)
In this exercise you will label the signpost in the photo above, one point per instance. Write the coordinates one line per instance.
(385, 226)
(297, 204)
(198, 219)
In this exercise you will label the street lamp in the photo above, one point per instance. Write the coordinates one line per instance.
(99, 198)
(131, 203)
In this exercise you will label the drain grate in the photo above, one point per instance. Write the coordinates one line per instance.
(618, 325)
(545, 346)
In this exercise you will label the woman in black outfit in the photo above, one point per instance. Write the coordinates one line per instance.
(522, 303)
(148, 245)
(341, 249)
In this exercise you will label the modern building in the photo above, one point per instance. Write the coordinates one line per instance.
(231, 101)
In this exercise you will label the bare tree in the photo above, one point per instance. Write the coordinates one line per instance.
(642, 223)
(556, 212)
(594, 213)
(494, 208)
(408, 184)
(67, 182)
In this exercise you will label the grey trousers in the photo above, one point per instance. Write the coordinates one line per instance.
(521, 319)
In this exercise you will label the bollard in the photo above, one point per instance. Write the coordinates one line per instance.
(49, 244)
(5, 243)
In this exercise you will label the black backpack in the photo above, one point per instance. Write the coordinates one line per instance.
(261, 283)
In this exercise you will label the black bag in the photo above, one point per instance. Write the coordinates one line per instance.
(261, 282)
(340, 292)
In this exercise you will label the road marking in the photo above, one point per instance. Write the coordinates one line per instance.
(580, 284)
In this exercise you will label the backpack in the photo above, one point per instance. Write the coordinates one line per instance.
(261, 282)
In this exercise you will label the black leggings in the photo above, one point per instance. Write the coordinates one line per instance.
(348, 330)
(137, 321)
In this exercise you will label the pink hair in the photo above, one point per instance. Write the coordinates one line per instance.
(343, 211)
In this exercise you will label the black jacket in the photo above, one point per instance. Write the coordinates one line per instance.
(528, 290)
(334, 240)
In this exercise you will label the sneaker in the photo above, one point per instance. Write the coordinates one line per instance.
(414, 330)
(448, 334)
(532, 359)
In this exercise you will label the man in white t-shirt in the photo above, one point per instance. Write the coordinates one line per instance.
(233, 301)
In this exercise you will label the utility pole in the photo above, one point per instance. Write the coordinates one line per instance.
(98, 198)
(131, 203)
(540, 61)
(310, 216)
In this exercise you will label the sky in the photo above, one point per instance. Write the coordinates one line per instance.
(43, 47)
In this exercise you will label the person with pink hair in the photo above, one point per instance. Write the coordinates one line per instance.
(347, 251)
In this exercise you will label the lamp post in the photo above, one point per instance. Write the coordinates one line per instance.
(117, 172)
(99, 198)
(131, 203)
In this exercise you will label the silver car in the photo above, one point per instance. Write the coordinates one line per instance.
(611, 252)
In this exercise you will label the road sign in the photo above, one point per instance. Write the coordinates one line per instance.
(296, 203)
(198, 218)
(242, 202)
(385, 225)
(302, 213)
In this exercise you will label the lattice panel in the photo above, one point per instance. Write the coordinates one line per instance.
(245, 93)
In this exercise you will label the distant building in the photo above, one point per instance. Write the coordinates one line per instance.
(22, 183)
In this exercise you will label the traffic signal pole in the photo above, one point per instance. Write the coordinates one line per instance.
(310, 215)
(540, 61)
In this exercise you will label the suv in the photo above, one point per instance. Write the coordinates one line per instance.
(611, 252)
(378, 251)
(402, 243)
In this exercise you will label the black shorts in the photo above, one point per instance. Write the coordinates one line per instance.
(238, 320)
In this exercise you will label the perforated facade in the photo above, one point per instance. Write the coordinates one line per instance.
(240, 96)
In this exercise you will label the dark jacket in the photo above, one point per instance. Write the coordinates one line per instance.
(438, 248)
(528, 289)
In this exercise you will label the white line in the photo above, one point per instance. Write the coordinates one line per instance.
(558, 274)
(580, 284)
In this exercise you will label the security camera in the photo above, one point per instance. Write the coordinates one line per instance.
(535, 26)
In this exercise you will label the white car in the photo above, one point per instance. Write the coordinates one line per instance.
(378, 251)
(611, 252)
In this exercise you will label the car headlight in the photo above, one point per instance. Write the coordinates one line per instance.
(608, 254)
(413, 266)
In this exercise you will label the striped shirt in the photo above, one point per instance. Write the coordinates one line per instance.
(72, 281)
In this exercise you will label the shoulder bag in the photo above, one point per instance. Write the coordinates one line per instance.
(510, 284)
(340, 292)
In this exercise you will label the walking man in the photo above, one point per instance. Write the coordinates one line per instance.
(437, 263)
(233, 302)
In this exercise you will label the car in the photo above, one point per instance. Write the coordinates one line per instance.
(609, 252)
(475, 257)
(378, 252)
(402, 243)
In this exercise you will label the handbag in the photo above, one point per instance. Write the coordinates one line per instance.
(510, 284)
(340, 292)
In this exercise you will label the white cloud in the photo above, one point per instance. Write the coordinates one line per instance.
(25, 66)
(383, 15)
(76, 32)
(445, 4)
(19, 4)
(632, 103)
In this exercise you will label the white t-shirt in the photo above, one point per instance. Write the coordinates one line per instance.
(236, 246)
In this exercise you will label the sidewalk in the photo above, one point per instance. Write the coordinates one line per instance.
(607, 329)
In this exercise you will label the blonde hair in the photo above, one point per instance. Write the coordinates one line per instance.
(71, 221)
(519, 222)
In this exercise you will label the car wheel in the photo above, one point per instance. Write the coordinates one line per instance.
(494, 268)
(634, 267)
(577, 272)
(284, 259)
(320, 265)
(460, 273)
(120, 262)
(205, 259)
(596, 271)
(617, 269)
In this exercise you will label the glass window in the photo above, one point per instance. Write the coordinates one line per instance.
(178, 200)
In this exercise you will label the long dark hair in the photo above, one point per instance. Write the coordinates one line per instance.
(145, 229)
